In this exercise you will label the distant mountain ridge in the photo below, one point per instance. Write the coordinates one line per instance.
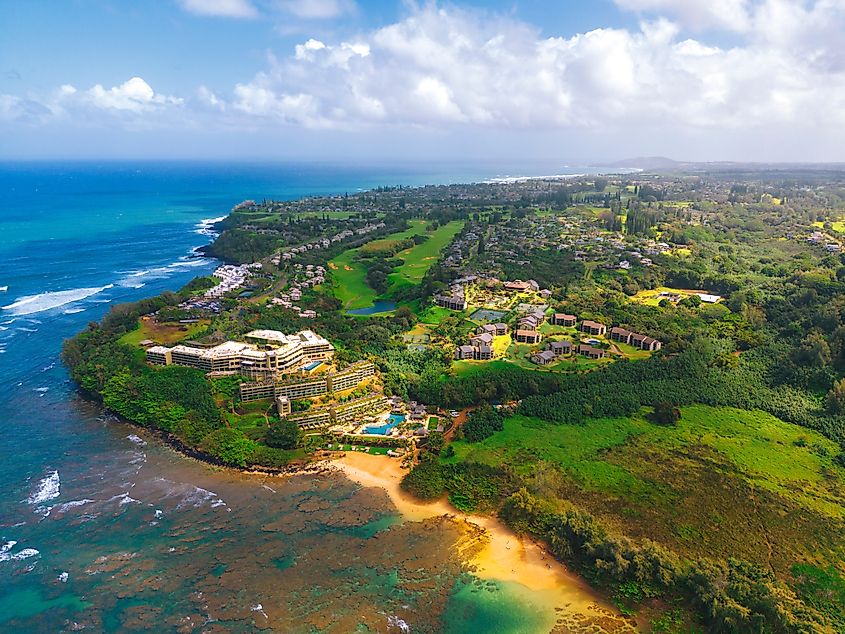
(664, 164)
(646, 163)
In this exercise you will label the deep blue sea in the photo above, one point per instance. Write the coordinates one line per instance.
(102, 528)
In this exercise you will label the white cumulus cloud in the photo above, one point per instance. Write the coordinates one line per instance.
(450, 70)
(133, 95)
(732, 15)
(443, 66)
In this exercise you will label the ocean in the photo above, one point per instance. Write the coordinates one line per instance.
(104, 529)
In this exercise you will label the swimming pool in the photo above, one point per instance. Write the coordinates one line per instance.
(313, 366)
(381, 430)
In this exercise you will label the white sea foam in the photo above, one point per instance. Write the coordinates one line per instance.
(31, 304)
(188, 262)
(137, 440)
(42, 389)
(3, 289)
(73, 311)
(123, 499)
(205, 227)
(6, 553)
(198, 497)
(48, 489)
(133, 280)
(64, 508)
(260, 609)
(22, 329)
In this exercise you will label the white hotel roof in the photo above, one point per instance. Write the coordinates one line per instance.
(224, 349)
(304, 336)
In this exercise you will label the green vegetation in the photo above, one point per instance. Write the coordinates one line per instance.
(350, 281)
(707, 476)
(417, 260)
(383, 267)
(483, 423)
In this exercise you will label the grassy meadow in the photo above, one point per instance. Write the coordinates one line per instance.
(163, 333)
(698, 487)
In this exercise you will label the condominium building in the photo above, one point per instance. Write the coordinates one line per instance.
(346, 379)
(340, 412)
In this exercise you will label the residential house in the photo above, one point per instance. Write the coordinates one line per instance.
(591, 352)
(562, 319)
(527, 336)
(645, 343)
(487, 328)
(593, 327)
(621, 335)
(543, 358)
(464, 352)
(560, 348)
(484, 339)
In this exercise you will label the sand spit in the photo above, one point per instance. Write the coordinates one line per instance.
(506, 557)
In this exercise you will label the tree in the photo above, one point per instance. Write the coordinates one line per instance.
(836, 398)
(229, 445)
(692, 301)
(666, 413)
(483, 423)
(283, 435)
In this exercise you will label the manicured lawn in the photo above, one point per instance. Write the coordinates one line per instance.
(349, 275)
(433, 315)
(723, 482)
(838, 225)
(350, 285)
(419, 258)
(652, 297)
(631, 352)
(464, 368)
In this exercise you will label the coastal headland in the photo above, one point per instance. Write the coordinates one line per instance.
(572, 359)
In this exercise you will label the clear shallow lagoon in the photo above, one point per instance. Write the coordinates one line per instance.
(102, 527)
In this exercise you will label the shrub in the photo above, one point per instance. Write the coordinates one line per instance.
(229, 445)
(666, 413)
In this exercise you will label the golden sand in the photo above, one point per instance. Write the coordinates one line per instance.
(507, 556)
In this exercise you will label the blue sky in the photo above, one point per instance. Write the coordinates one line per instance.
(522, 79)
(98, 41)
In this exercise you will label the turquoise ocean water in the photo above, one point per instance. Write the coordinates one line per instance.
(102, 528)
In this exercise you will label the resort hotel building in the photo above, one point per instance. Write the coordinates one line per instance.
(269, 353)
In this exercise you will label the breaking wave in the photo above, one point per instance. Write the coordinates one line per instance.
(48, 489)
(31, 304)
(6, 553)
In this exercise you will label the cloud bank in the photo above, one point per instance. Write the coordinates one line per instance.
(451, 69)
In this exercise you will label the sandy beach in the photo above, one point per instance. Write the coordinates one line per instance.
(506, 557)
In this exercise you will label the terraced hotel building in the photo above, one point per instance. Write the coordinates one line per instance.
(273, 353)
